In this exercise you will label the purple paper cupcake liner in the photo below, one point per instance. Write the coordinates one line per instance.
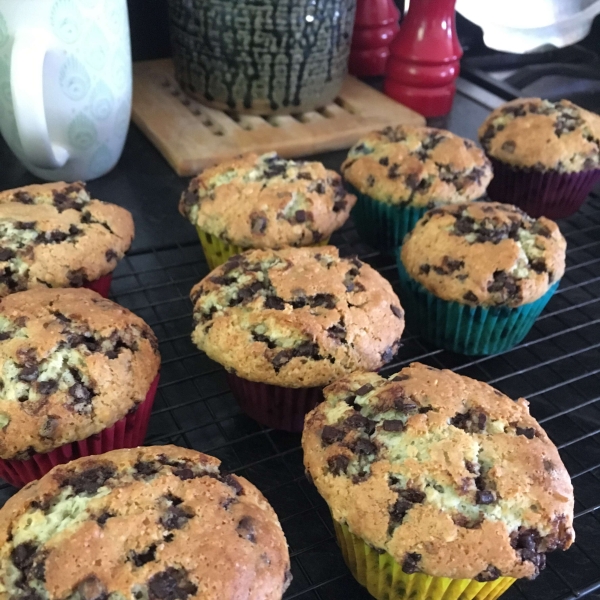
(538, 193)
(275, 406)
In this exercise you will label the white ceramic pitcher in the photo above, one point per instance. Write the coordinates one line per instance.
(65, 85)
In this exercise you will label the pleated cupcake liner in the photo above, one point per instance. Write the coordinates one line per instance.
(464, 329)
(383, 226)
(275, 406)
(385, 580)
(218, 251)
(101, 285)
(129, 432)
(541, 193)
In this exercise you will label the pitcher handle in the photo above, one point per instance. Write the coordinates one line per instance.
(29, 52)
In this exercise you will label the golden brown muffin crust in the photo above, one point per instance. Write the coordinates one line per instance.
(448, 475)
(55, 235)
(297, 317)
(266, 201)
(485, 253)
(543, 135)
(417, 166)
(71, 364)
(154, 523)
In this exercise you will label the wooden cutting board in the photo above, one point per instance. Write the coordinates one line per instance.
(191, 136)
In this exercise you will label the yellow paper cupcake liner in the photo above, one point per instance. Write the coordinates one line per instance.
(218, 251)
(385, 579)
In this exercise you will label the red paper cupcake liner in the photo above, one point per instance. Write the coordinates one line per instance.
(549, 194)
(275, 406)
(129, 432)
(102, 285)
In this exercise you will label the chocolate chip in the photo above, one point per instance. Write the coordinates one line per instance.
(171, 584)
(471, 467)
(491, 573)
(110, 255)
(384, 161)
(409, 564)
(509, 146)
(485, 497)
(146, 468)
(24, 225)
(23, 198)
(233, 483)
(49, 427)
(139, 559)
(471, 421)
(6, 254)
(90, 480)
(184, 474)
(91, 588)
(538, 265)
(370, 181)
(539, 229)
(103, 517)
(395, 425)
(53, 237)
(175, 518)
(82, 397)
(338, 464)
(394, 171)
(470, 297)
(305, 175)
(47, 388)
(77, 278)
(322, 300)
(64, 202)
(339, 205)
(425, 268)
(22, 555)
(397, 311)
(363, 446)
(274, 302)
(358, 421)
(29, 373)
(281, 359)
(364, 389)
(246, 529)
(258, 223)
(337, 332)
(330, 435)
(504, 284)
(400, 377)
(528, 432)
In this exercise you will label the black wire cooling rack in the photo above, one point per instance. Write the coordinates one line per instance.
(557, 368)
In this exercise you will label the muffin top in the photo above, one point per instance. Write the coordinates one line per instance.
(445, 473)
(72, 364)
(297, 317)
(159, 523)
(530, 132)
(55, 235)
(417, 166)
(267, 202)
(485, 253)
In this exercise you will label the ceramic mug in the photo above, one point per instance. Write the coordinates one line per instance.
(65, 85)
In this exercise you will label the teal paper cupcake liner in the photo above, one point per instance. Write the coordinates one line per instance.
(466, 329)
(383, 226)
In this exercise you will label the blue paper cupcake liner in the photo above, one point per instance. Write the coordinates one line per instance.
(383, 226)
(467, 329)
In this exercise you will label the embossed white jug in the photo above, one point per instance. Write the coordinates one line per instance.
(65, 85)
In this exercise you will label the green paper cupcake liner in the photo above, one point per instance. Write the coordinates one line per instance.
(385, 580)
(467, 329)
(383, 226)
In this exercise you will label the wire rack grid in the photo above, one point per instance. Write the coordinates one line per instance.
(557, 368)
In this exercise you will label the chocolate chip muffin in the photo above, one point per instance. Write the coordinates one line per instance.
(73, 365)
(400, 172)
(56, 235)
(296, 318)
(546, 155)
(446, 475)
(158, 523)
(484, 256)
(264, 202)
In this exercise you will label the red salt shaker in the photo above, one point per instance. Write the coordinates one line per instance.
(375, 26)
(424, 58)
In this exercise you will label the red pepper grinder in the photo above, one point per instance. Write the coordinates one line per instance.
(375, 26)
(424, 58)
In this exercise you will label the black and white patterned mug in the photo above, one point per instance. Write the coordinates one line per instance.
(262, 56)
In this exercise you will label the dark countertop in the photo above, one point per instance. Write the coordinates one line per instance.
(144, 183)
